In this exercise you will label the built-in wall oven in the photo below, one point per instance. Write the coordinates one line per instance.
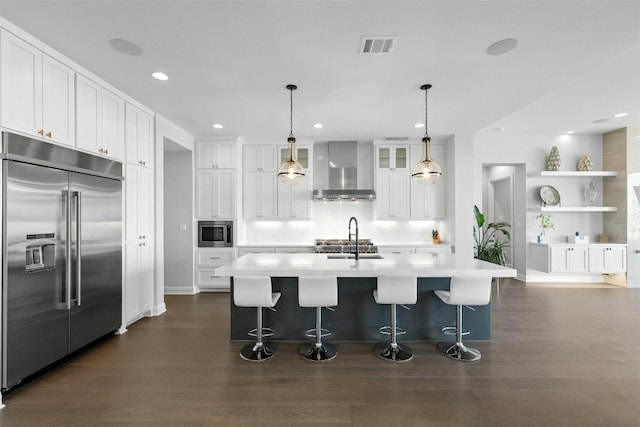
(215, 234)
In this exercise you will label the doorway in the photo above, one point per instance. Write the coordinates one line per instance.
(178, 218)
(504, 190)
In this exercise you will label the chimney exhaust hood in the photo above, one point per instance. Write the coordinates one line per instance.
(343, 170)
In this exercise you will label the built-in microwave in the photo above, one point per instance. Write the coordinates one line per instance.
(215, 234)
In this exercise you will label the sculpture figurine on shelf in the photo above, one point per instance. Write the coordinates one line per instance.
(585, 163)
(435, 236)
(590, 193)
(553, 162)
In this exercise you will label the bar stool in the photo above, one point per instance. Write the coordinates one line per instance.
(256, 292)
(395, 289)
(318, 292)
(463, 291)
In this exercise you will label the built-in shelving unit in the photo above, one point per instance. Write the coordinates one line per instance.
(577, 174)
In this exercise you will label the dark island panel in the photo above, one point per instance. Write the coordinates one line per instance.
(357, 316)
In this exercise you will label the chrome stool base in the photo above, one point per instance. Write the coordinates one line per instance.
(315, 353)
(394, 353)
(459, 351)
(258, 352)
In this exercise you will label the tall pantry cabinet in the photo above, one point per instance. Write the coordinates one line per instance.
(139, 214)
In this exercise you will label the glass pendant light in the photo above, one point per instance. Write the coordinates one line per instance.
(426, 171)
(291, 172)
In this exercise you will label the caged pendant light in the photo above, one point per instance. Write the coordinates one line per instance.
(291, 172)
(426, 171)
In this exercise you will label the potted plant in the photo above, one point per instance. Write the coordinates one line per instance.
(545, 223)
(490, 241)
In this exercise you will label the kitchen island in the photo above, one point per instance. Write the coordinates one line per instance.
(357, 316)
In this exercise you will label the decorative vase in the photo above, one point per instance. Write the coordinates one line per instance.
(585, 163)
(553, 162)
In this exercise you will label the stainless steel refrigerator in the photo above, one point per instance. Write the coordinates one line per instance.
(62, 253)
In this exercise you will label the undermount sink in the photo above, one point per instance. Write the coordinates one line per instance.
(352, 256)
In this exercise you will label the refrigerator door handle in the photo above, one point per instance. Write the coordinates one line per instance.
(66, 203)
(77, 195)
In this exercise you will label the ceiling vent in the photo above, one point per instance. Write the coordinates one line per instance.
(396, 138)
(371, 45)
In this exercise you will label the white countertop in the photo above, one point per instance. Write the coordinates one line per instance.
(293, 265)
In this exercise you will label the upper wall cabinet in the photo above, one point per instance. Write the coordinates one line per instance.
(216, 154)
(139, 136)
(36, 92)
(427, 201)
(260, 158)
(99, 119)
(392, 157)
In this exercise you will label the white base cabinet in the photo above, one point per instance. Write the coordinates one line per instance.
(207, 260)
(608, 259)
(578, 258)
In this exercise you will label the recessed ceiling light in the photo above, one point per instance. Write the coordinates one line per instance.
(500, 129)
(418, 125)
(159, 75)
(502, 46)
(318, 125)
(601, 120)
(126, 47)
(217, 126)
(569, 132)
(619, 115)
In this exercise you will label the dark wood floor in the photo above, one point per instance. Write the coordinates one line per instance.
(558, 356)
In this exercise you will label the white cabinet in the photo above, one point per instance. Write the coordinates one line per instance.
(99, 119)
(304, 154)
(427, 201)
(608, 259)
(260, 158)
(216, 193)
(392, 157)
(139, 136)
(259, 195)
(569, 259)
(207, 260)
(36, 92)
(260, 182)
(139, 265)
(392, 195)
(216, 154)
(294, 202)
(579, 258)
(216, 179)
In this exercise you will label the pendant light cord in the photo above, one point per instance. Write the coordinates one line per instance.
(291, 113)
(426, 105)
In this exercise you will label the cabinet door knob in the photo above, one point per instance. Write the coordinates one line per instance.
(41, 132)
(49, 134)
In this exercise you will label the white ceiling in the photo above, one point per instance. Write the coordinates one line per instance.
(229, 62)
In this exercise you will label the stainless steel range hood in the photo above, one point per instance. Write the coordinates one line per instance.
(343, 170)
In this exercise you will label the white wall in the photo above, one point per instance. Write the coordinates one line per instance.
(178, 222)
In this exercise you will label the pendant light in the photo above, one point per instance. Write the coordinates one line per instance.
(426, 171)
(291, 172)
